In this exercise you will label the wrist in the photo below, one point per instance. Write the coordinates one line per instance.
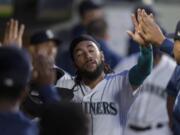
(167, 46)
(160, 40)
(146, 49)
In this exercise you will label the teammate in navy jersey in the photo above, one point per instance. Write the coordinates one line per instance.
(14, 76)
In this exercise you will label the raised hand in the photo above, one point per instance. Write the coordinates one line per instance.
(13, 33)
(135, 35)
(150, 31)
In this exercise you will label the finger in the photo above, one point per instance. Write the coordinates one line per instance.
(20, 35)
(6, 34)
(11, 28)
(21, 30)
(144, 13)
(144, 37)
(139, 16)
(135, 23)
(151, 16)
(142, 34)
(15, 29)
(131, 34)
(145, 23)
(145, 18)
(143, 27)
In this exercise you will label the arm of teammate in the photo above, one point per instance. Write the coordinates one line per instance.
(152, 33)
(170, 106)
(139, 72)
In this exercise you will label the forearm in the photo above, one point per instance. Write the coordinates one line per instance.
(142, 69)
(170, 106)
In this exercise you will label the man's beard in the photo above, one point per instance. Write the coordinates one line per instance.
(92, 75)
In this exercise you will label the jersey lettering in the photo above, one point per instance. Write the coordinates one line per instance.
(98, 108)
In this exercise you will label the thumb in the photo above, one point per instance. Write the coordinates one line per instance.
(130, 34)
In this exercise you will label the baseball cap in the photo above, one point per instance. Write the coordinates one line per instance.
(176, 35)
(15, 67)
(79, 39)
(43, 36)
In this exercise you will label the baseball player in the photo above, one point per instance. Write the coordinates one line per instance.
(106, 97)
(152, 33)
(14, 77)
(144, 118)
(174, 87)
(43, 43)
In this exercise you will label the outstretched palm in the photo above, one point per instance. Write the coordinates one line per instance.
(13, 33)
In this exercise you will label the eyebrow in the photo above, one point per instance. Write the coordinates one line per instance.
(89, 45)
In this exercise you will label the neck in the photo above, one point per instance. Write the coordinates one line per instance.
(93, 83)
(9, 106)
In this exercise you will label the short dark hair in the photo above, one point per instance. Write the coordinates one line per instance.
(14, 72)
(63, 119)
(87, 5)
(97, 28)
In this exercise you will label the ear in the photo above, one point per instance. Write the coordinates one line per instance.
(102, 56)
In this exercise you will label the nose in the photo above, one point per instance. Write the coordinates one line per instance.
(88, 55)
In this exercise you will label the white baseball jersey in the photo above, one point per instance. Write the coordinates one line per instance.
(107, 104)
(149, 108)
(66, 75)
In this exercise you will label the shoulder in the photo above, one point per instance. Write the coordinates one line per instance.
(62, 74)
(65, 83)
(127, 63)
(25, 122)
(117, 75)
(18, 123)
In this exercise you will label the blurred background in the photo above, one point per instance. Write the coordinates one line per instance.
(61, 15)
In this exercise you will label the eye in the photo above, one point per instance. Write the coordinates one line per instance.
(79, 54)
(91, 50)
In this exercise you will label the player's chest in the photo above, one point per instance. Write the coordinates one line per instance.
(105, 91)
(99, 101)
